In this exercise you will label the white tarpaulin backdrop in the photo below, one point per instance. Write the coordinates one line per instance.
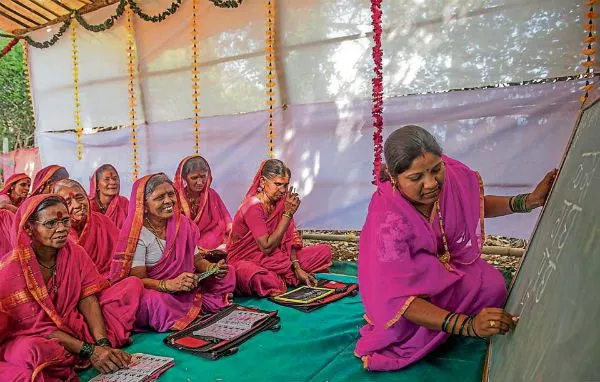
(324, 74)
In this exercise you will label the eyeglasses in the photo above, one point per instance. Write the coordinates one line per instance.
(53, 223)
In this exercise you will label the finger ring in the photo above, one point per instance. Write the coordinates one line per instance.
(492, 324)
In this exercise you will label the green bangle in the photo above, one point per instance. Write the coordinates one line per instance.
(104, 342)
(86, 350)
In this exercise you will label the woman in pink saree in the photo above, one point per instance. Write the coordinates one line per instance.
(420, 272)
(95, 232)
(61, 312)
(158, 244)
(105, 186)
(201, 203)
(264, 247)
(6, 222)
(14, 192)
(44, 180)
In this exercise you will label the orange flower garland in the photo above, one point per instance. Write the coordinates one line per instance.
(77, 110)
(131, 56)
(270, 58)
(195, 79)
(589, 51)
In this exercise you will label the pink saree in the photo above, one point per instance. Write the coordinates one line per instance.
(12, 180)
(37, 309)
(116, 210)
(98, 238)
(257, 273)
(42, 177)
(398, 262)
(6, 222)
(161, 311)
(213, 219)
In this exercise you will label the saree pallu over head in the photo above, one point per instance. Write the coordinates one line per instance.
(398, 254)
(118, 206)
(213, 219)
(42, 177)
(98, 238)
(11, 181)
(246, 249)
(178, 257)
(24, 295)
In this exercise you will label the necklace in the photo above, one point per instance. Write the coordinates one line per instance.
(52, 269)
(445, 257)
(158, 241)
(99, 203)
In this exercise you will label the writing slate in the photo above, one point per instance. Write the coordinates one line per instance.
(556, 291)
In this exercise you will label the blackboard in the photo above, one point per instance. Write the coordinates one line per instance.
(556, 291)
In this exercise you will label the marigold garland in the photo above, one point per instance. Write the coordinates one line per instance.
(131, 56)
(77, 110)
(195, 79)
(589, 50)
(226, 3)
(270, 58)
(377, 92)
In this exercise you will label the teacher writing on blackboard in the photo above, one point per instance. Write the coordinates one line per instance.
(420, 270)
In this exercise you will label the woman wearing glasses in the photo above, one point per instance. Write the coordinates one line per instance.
(62, 313)
(264, 246)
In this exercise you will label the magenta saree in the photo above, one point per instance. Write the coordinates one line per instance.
(257, 273)
(37, 309)
(398, 262)
(117, 208)
(164, 311)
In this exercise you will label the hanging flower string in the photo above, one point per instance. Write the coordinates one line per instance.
(377, 81)
(195, 78)
(270, 58)
(27, 75)
(131, 57)
(77, 110)
(589, 51)
(226, 3)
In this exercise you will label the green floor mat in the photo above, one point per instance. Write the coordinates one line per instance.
(315, 346)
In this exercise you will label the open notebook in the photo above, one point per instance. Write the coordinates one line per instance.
(145, 367)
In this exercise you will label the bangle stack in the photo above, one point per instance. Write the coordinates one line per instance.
(162, 286)
(295, 263)
(104, 342)
(86, 350)
(468, 323)
(518, 203)
(288, 215)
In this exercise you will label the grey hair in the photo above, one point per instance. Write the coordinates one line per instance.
(194, 164)
(405, 144)
(154, 182)
(50, 201)
(67, 183)
(103, 168)
(273, 168)
(60, 174)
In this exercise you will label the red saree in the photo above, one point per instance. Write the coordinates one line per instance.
(98, 238)
(37, 309)
(256, 272)
(42, 177)
(116, 210)
(165, 311)
(11, 181)
(213, 219)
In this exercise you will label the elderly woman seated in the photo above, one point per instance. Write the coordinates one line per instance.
(44, 180)
(105, 186)
(264, 246)
(14, 192)
(95, 232)
(60, 313)
(158, 244)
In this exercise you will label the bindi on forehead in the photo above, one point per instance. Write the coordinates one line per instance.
(59, 215)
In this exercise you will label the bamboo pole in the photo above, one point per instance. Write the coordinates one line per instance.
(487, 249)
